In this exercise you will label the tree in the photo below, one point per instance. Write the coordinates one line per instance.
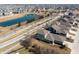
(19, 24)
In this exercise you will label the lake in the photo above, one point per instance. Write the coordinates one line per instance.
(19, 20)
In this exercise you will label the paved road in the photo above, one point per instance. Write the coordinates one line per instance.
(18, 30)
(11, 48)
(19, 37)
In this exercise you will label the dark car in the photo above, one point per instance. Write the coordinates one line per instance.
(41, 37)
(62, 34)
(77, 20)
(52, 30)
(59, 43)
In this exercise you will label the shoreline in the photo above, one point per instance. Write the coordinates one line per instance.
(9, 17)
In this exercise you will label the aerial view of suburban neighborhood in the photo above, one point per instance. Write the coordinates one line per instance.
(39, 29)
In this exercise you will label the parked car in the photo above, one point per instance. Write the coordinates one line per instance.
(41, 37)
(52, 30)
(60, 43)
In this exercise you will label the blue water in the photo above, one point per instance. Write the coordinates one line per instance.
(18, 20)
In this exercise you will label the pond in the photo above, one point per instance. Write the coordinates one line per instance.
(19, 20)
